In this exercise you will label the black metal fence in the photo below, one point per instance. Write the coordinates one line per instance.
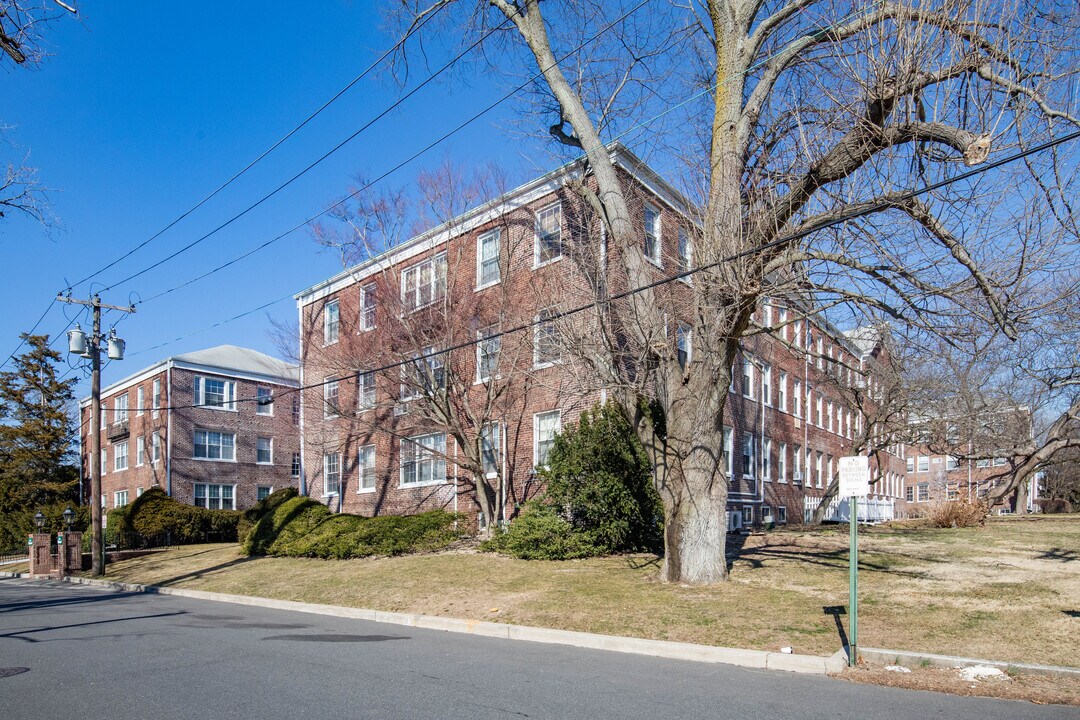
(136, 541)
(14, 555)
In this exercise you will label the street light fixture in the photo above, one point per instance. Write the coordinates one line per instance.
(69, 517)
(39, 520)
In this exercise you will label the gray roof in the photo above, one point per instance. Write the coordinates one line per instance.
(864, 338)
(231, 357)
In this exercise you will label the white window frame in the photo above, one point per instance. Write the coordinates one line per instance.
(259, 490)
(748, 378)
(120, 456)
(491, 447)
(537, 261)
(120, 498)
(155, 447)
(296, 466)
(545, 327)
(436, 269)
(485, 338)
(749, 456)
(684, 345)
(538, 418)
(365, 469)
(428, 370)
(494, 235)
(120, 409)
(228, 402)
(331, 460)
(331, 395)
(685, 252)
(208, 493)
(331, 322)
(156, 399)
(653, 234)
(103, 464)
(258, 440)
(140, 451)
(365, 390)
(797, 477)
(911, 463)
(782, 323)
(140, 399)
(220, 445)
(266, 409)
(368, 300)
(422, 450)
(796, 398)
(766, 459)
(923, 464)
(766, 384)
(951, 463)
(781, 392)
(781, 463)
(729, 453)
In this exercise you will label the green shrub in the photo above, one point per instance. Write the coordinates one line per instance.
(155, 513)
(268, 504)
(540, 533)
(301, 527)
(599, 496)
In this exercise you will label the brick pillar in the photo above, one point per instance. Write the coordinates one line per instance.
(40, 553)
(70, 553)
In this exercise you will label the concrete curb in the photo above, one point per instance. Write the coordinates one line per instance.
(908, 658)
(809, 664)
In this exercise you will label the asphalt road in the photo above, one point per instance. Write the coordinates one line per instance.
(93, 653)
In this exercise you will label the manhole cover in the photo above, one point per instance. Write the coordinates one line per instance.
(8, 672)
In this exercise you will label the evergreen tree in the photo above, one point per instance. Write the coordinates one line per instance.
(37, 465)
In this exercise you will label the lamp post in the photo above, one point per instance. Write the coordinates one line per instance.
(91, 347)
(39, 520)
(69, 518)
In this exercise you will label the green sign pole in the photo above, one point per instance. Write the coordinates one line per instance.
(853, 592)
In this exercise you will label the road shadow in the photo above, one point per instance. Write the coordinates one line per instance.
(337, 638)
(18, 634)
(63, 602)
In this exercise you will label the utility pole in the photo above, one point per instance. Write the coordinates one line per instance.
(90, 348)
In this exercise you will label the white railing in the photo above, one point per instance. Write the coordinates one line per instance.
(871, 510)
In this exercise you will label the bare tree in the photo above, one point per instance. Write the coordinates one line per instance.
(22, 24)
(813, 111)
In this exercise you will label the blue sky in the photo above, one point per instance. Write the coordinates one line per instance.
(143, 109)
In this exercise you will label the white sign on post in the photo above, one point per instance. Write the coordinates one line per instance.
(854, 476)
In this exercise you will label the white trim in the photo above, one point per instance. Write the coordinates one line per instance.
(497, 232)
(360, 489)
(257, 439)
(536, 432)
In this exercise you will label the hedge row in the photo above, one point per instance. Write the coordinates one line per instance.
(301, 527)
(155, 513)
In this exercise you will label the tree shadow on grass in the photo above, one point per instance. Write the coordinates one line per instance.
(203, 571)
(833, 559)
(1060, 554)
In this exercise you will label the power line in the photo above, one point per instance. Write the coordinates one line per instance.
(378, 61)
(457, 58)
(22, 340)
(783, 240)
(381, 177)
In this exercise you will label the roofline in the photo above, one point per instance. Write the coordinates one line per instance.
(470, 219)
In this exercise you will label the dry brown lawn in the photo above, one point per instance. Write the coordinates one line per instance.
(1008, 591)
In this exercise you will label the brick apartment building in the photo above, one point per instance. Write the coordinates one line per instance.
(979, 462)
(370, 447)
(213, 428)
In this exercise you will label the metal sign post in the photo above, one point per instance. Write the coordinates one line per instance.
(854, 483)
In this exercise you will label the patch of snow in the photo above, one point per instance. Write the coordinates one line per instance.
(897, 668)
(980, 672)
(786, 650)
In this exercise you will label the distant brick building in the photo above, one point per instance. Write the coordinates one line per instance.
(214, 428)
(367, 450)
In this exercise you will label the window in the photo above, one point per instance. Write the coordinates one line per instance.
(366, 320)
(729, 454)
(952, 492)
(120, 498)
(797, 465)
(424, 284)
(120, 456)
(820, 353)
(487, 353)
(911, 464)
(295, 470)
(924, 492)
(798, 333)
(263, 491)
(781, 317)
(331, 322)
(548, 235)
(365, 463)
(264, 401)
(156, 397)
(215, 497)
(951, 463)
(140, 451)
(818, 413)
(796, 398)
(211, 445)
(331, 473)
(766, 452)
(685, 252)
(264, 451)
(487, 259)
(546, 346)
(545, 427)
(819, 467)
(829, 416)
(330, 398)
(828, 469)
(998, 461)
(748, 455)
(781, 463)
(781, 514)
(140, 398)
(924, 463)
(365, 390)
(909, 493)
(215, 393)
(683, 346)
(155, 446)
(423, 460)
(296, 408)
(766, 384)
(748, 378)
(982, 463)
(425, 374)
(748, 515)
(766, 314)
(120, 405)
(781, 392)
(138, 492)
(652, 233)
(490, 449)
(103, 463)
